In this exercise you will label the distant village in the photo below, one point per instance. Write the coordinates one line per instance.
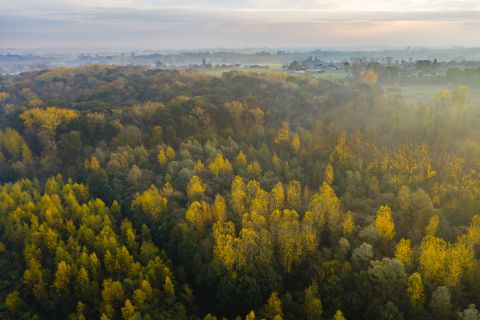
(418, 62)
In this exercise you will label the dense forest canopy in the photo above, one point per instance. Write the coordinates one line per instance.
(147, 194)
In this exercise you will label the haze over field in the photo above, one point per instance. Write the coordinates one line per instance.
(186, 24)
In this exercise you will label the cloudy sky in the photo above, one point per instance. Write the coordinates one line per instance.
(188, 24)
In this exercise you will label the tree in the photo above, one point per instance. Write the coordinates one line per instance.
(384, 223)
(471, 313)
(220, 165)
(403, 251)
(432, 226)
(295, 142)
(370, 77)
(283, 133)
(440, 304)
(219, 208)
(338, 315)
(293, 194)
(195, 187)
(169, 287)
(433, 254)
(241, 160)
(62, 277)
(150, 203)
(347, 224)
(329, 174)
(273, 308)
(48, 119)
(415, 290)
(13, 302)
(388, 277)
(313, 304)
(250, 316)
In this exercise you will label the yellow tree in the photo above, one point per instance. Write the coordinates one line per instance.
(238, 196)
(347, 225)
(384, 222)
(198, 214)
(403, 251)
(47, 119)
(313, 304)
(44, 122)
(329, 174)
(150, 203)
(195, 187)
(241, 160)
(62, 277)
(220, 165)
(225, 243)
(254, 169)
(415, 290)
(283, 133)
(338, 315)
(432, 226)
(433, 254)
(460, 258)
(273, 307)
(219, 208)
(295, 142)
(294, 195)
(277, 197)
(474, 230)
(370, 77)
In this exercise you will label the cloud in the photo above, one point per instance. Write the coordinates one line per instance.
(207, 23)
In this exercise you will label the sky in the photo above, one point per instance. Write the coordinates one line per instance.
(202, 24)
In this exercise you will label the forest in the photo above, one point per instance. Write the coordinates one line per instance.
(131, 194)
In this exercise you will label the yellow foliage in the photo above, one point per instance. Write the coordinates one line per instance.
(150, 202)
(433, 254)
(162, 157)
(254, 169)
(277, 197)
(48, 119)
(338, 315)
(94, 163)
(370, 77)
(199, 166)
(220, 165)
(219, 208)
(432, 226)
(294, 194)
(295, 142)
(168, 287)
(415, 290)
(474, 230)
(241, 160)
(384, 222)
(277, 163)
(403, 251)
(329, 174)
(283, 133)
(224, 244)
(195, 186)
(347, 224)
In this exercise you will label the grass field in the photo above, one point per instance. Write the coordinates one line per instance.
(424, 92)
(273, 68)
(217, 72)
(332, 75)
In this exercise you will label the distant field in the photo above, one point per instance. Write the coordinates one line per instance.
(421, 92)
(274, 68)
(217, 72)
(332, 74)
